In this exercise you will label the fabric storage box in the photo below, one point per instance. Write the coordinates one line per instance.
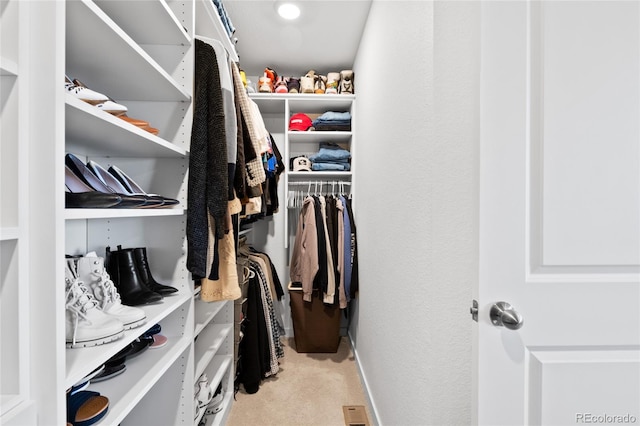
(316, 326)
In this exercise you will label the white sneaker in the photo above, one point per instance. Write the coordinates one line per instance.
(112, 107)
(92, 272)
(90, 96)
(85, 324)
(215, 405)
(203, 391)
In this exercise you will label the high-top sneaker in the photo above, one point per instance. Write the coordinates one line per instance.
(346, 82)
(293, 85)
(86, 325)
(281, 85)
(333, 80)
(92, 272)
(307, 84)
(320, 84)
(265, 85)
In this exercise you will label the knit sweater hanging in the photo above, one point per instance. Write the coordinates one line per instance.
(208, 175)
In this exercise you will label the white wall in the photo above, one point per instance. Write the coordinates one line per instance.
(416, 83)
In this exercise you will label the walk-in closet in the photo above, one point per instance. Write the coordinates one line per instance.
(419, 211)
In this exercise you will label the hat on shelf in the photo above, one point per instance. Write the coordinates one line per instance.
(300, 122)
(301, 164)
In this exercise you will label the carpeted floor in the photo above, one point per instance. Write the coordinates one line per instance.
(309, 389)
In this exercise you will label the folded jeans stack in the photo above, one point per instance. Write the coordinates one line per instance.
(330, 157)
(332, 120)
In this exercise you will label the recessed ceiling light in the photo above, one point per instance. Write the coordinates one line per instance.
(289, 11)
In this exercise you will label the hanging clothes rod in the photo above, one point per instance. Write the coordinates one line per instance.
(314, 182)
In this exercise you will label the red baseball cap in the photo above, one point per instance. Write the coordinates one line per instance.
(300, 122)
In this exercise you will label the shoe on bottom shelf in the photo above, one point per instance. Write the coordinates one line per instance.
(85, 324)
(215, 405)
(85, 408)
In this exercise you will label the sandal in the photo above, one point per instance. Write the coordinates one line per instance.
(85, 408)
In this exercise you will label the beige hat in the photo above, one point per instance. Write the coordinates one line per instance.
(301, 164)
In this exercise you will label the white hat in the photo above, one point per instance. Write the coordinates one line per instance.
(301, 164)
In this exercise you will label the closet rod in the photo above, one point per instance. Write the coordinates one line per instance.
(313, 182)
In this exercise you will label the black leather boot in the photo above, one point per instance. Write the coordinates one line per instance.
(122, 267)
(145, 273)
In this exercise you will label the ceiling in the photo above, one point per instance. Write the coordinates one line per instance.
(324, 38)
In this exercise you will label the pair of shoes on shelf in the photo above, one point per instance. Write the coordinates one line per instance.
(94, 313)
(131, 274)
(79, 90)
(346, 83)
(266, 83)
(91, 186)
(85, 408)
(153, 335)
(115, 365)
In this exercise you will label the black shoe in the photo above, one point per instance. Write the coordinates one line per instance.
(143, 267)
(80, 195)
(83, 173)
(133, 187)
(122, 268)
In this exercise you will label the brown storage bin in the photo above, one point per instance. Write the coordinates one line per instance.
(316, 326)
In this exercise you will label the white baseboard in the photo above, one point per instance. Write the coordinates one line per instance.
(365, 385)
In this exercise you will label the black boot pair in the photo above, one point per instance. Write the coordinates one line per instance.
(129, 270)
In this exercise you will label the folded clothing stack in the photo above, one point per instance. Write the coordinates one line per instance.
(330, 157)
(332, 120)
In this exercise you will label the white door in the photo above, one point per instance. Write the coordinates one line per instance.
(560, 213)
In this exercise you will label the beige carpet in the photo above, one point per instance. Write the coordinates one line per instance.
(309, 389)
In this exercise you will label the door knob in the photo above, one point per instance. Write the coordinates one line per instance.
(503, 314)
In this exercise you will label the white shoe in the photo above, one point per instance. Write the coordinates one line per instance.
(85, 324)
(90, 96)
(203, 392)
(215, 405)
(92, 272)
(112, 107)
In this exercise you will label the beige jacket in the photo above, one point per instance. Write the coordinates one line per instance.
(304, 258)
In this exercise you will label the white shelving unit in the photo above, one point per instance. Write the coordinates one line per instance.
(16, 403)
(306, 143)
(149, 68)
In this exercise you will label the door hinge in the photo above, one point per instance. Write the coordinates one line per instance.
(474, 310)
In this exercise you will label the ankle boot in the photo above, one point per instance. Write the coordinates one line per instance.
(92, 272)
(122, 267)
(145, 272)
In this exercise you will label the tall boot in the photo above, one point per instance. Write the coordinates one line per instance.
(92, 272)
(143, 267)
(124, 272)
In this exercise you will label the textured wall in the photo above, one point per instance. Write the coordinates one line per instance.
(416, 80)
